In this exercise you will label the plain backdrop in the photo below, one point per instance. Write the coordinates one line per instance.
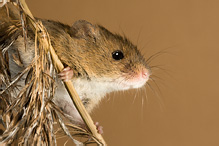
(182, 107)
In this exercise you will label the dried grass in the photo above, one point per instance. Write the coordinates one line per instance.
(28, 114)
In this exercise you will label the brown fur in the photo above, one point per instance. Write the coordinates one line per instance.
(87, 49)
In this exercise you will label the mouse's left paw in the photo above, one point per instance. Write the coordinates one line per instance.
(66, 74)
(99, 128)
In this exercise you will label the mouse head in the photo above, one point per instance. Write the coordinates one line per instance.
(109, 58)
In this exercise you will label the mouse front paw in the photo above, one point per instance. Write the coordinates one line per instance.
(66, 74)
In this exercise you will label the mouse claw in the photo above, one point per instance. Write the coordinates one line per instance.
(66, 74)
(99, 128)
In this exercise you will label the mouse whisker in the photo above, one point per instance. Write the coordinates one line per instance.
(146, 95)
(155, 55)
(146, 44)
(161, 68)
(134, 97)
(157, 78)
(155, 84)
(162, 106)
(139, 34)
(154, 76)
(142, 105)
(159, 53)
(120, 82)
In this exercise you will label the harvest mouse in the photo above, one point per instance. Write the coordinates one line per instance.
(97, 62)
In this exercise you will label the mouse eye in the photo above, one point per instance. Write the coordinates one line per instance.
(117, 55)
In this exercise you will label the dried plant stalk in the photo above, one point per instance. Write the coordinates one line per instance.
(69, 86)
(30, 116)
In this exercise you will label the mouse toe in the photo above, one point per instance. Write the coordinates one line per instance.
(66, 74)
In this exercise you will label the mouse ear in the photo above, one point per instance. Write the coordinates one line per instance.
(85, 30)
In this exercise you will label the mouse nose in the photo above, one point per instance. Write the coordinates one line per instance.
(145, 74)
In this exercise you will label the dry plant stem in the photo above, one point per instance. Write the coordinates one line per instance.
(59, 67)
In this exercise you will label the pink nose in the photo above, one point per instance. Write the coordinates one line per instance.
(145, 74)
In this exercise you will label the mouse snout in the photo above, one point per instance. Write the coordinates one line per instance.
(145, 74)
(140, 77)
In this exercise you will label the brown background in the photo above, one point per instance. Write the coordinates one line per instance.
(185, 110)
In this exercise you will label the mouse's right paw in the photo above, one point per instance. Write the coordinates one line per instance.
(66, 74)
